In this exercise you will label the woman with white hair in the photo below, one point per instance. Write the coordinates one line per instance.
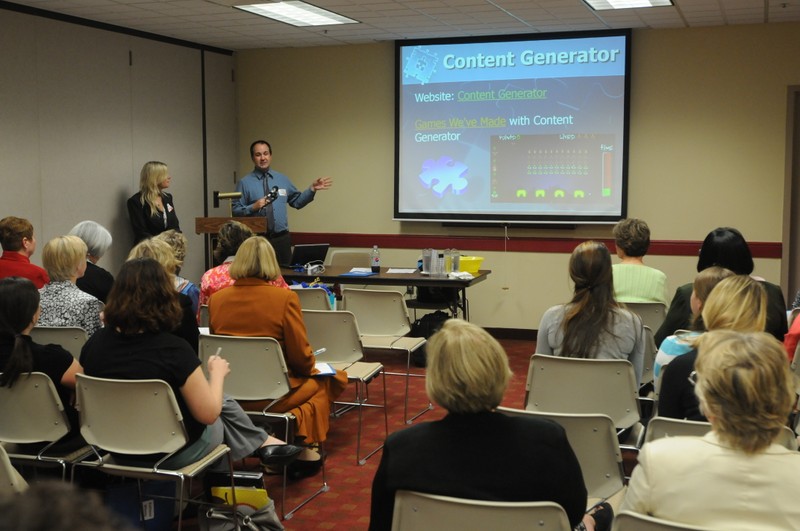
(151, 210)
(735, 478)
(96, 280)
(63, 303)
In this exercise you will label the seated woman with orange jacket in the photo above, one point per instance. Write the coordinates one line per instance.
(253, 307)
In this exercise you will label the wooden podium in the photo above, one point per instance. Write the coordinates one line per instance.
(211, 226)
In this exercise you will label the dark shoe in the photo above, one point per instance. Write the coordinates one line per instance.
(603, 514)
(277, 455)
(304, 469)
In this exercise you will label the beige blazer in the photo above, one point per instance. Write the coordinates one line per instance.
(700, 481)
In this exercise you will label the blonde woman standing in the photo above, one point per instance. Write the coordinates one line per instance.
(151, 210)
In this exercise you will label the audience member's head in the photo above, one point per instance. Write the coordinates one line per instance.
(467, 369)
(143, 298)
(178, 242)
(632, 237)
(158, 250)
(16, 235)
(744, 387)
(19, 310)
(255, 259)
(736, 303)
(704, 282)
(231, 236)
(64, 258)
(726, 247)
(590, 269)
(58, 506)
(95, 236)
(588, 314)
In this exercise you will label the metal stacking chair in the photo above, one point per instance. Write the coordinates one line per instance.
(139, 418)
(258, 373)
(72, 338)
(417, 510)
(594, 441)
(313, 298)
(337, 333)
(652, 313)
(343, 258)
(382, 319)
(660, 427)
(31, 412)
(10, 480)
(573, 385)
(630, 521)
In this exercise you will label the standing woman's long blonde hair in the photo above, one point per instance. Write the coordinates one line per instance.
(152, 175)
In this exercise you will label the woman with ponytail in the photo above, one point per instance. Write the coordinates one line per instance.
(19, 355)
(592, 325)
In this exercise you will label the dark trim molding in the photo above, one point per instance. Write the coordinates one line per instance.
(517, 245)
(9, 6)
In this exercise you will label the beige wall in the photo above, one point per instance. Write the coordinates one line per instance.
(708, 120)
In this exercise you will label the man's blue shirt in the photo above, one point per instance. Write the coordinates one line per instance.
(255, 185)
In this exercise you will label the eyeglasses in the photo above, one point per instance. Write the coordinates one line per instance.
(692, 378)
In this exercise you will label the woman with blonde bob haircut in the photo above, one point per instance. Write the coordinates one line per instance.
(737, 303)
(736, 477)
(532, 460)
(63, 303)
(256, 305)
(467, 369)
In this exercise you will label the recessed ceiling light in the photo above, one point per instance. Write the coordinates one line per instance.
(297, 13)
(600, 5)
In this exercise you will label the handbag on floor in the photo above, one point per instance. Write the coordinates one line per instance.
(263, 519)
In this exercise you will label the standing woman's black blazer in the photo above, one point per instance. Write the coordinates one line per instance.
(146, 223)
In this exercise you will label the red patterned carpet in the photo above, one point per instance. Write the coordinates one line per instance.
(346, 504)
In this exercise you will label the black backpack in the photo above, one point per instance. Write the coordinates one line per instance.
(426, 326)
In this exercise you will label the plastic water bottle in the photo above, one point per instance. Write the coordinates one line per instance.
(375, 259)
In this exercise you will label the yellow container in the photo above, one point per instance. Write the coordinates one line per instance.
(470, 264)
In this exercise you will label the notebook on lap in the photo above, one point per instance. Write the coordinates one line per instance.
(308, 252)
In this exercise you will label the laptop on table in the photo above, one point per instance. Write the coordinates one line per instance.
(304, 253)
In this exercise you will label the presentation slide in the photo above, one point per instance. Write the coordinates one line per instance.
(532, 129)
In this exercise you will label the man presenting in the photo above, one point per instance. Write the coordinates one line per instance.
(266, 192)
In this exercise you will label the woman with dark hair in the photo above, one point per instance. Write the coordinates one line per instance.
(137, 343)
(724, 247)
(592, 325)
(231, 236)
(19, 355)
(161, 252)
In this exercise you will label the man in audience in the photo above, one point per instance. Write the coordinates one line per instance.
(16, 238)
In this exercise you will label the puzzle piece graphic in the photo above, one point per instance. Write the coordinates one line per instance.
(439, 175)
(522, 193)
(421, 65)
